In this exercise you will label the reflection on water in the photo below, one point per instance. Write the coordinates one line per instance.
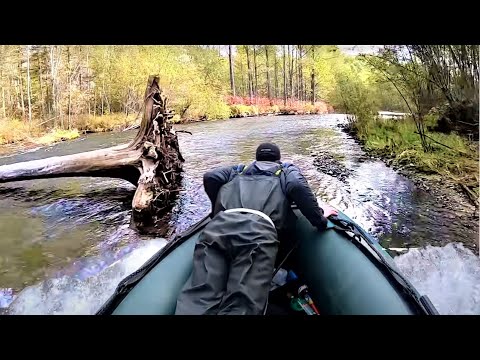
(47, 225)
(71, 231)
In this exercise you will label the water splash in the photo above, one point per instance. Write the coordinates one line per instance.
(84, 222)
(449, 275)
(68, 295)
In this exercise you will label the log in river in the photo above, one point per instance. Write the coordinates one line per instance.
(66, 242)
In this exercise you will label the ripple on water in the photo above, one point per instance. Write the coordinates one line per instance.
(87, 219)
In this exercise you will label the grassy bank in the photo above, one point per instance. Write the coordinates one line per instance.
(15, 131)
(244, 106)
(237, 107)
(456, 160)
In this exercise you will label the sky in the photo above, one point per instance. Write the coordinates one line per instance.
(357, 49)
(347, 49)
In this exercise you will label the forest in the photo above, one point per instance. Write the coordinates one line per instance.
(100, 88)
(57, 92)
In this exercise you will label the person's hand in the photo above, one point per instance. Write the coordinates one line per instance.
(329, 211)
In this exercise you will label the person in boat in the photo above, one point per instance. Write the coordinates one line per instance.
(234, 257)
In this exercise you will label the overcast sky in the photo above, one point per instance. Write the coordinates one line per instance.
(357, 49)
(347, 49)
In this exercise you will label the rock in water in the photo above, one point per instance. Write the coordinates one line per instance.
(326, 163)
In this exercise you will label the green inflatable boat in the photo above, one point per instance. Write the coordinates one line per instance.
(347, 273)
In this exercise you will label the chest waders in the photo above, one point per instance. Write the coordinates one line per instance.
(235, 255)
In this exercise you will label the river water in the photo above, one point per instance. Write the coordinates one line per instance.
(66, 243)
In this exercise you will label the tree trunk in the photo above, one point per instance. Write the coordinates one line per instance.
(300, 70)
(152, 161)
(275, 87)
(297, 71)
(21, 89)
(255, 69)
(69, 74)
(3, 103)
(313, 75)
(244, 92)
(88, 85)
(232, 77)
(268, 73)
(42, 105)
(29, 93)
(102, 94)
(53, 72)
(291, 70)
(249, 69)
(284, 77)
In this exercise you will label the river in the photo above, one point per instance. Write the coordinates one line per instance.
(66, 243)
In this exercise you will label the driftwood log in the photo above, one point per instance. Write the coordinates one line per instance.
(152, 161)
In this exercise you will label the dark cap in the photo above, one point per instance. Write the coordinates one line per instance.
(268, 152)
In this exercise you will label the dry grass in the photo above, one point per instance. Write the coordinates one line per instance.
(112, 122)
(17, 131)
(57, 135)
(14, 130)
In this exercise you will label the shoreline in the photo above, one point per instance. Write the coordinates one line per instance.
(446, 192)
(32, 144)
(22, 146)
(289, 113)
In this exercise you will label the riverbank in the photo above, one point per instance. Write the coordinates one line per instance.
(244, 107)
(17, 135)
(450, 177)
(452, 158)
(20, 136)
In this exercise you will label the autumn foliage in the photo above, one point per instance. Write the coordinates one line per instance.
(244, 106)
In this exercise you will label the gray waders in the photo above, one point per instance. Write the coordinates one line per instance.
(233, 264)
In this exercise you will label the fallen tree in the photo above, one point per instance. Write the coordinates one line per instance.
(152, 162)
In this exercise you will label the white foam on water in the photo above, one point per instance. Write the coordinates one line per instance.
(449, 275)
(71, 296)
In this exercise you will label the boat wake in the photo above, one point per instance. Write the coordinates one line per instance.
(449, 275)
(71, 295)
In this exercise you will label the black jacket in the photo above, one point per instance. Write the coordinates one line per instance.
(293, 184)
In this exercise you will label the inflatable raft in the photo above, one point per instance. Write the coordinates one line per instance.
(345, 269)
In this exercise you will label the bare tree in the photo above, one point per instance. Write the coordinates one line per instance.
(255, 69)
(312, 84)
(268, 72)
(29, 92)
(275, 87)
(69, 77)
(411, 88)
(232, 76)
(40, 82)
(20, 82)
(242, 78)
(290, 50)
(284, 77)
(250, 80)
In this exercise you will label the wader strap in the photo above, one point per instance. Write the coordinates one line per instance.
(244, 168)
(256, 212)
